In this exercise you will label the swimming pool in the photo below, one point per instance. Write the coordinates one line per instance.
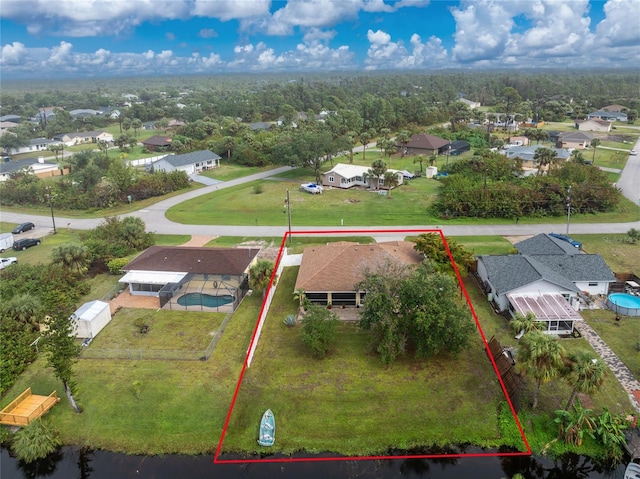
(202, 299)
(623, 303)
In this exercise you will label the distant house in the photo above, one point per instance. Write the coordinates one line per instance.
(149, 125)
(190, 163)
(527, 154)
(209, 279)
(157, 143)
(618, 108)
(593, 124)
(347, 176)
(425, 144)
(259, 126)
(469, 103)
(79, 138)
(458, 147)
(608, 115)
(173, 124)
(35, 145)
(39, 167)
(11, 118)
(574, 139)
(547, 277)
(5, 125)
(83, 113)
(518, 141)
(331, 273)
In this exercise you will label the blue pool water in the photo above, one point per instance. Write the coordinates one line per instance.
(201, 299)
(623, 303)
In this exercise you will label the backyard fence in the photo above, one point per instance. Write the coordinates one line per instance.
(158, 354)
(283, 260)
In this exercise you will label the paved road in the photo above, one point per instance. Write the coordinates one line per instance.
(154, 217)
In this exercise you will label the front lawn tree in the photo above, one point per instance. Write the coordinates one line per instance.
(433, 248)
(62, 352)
(585, 373)
(594, 144)
(319, 330)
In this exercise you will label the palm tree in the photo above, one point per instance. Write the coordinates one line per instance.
(260, 275)
(525, 324)
(540, 357)
(403, 138)
(229, 143)
(585, 373)
(377, 171)
(545, 157)
(71, 256)
(136, 124)
(594, 144)
(391, 180)
(365, 137)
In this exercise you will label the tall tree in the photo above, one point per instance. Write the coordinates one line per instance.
(365, 137)
(229, 142)
(136, 124)
(545, 157)
(390, 180)
(585, 373)
(540, 357)
(594, 144)
(62, 350)
(403, 138)
(377, 171)
(71, 257)
(434, 249)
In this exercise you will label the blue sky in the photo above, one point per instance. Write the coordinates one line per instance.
(87, 38)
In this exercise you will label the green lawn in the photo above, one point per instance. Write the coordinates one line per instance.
(485, 244)
(42, 253)
(231, 171)
(350, 403)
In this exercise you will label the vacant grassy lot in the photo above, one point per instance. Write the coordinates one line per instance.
(620, 255)
(230, 171)
(350, 403)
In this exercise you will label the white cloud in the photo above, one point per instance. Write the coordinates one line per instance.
(207, 33)
(231, 9)
(13, 54)
(385, 54)
(620, 27)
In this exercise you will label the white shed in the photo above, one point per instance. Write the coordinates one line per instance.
(90, 318)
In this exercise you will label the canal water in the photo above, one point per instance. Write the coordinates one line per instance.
(71, 463)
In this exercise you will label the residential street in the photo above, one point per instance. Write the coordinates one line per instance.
(154, 216)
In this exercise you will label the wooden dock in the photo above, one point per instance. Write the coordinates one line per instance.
(27, 407)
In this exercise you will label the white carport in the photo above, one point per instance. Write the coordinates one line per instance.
(149, 283)
(90, 318)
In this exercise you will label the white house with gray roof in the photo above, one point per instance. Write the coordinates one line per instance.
(546, 270)
(190, 163)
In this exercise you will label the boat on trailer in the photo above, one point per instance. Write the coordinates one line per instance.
(267, 429)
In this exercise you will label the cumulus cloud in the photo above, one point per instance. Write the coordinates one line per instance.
(231, 9)
(207, 33)
(13, 54)
(385, 54)
(619, 27)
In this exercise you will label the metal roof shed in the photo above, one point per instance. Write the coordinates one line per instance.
(90, 318)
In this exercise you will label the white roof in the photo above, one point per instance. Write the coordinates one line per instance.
(349, 171)
(90, 310)
(152, 277)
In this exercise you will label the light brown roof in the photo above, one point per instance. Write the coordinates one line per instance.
(193, 260)
(340, 266)
(158, 140)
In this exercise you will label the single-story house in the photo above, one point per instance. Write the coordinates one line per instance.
(11, 118)
(78, 138)
(90, 319)
(614, 107)
(574, 139)
(345, 176)
(593, 124)
(527, 154)
(84, 113)
(5, 125)
(259, 126)
(425, 144)
(608, 115)
(190, 163)
(458, 147)
(518, 141)
(39, 167)
(149, 125)
(331, 273)
(36, 144)
(545, 269)
(213, 278)
(157, 143)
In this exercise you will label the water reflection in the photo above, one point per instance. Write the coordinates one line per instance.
(69, 463)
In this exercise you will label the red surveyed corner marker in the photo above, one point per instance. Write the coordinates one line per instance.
(216, 458)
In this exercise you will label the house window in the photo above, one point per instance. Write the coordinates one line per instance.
(593, 284)
(331, 179)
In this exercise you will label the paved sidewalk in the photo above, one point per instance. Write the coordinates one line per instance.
(620, 371)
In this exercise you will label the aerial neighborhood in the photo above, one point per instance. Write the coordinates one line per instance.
(222, 272)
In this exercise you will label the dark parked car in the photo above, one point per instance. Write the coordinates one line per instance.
(23, 244)
(22, 228)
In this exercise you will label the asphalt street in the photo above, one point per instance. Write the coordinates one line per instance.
(154, 216)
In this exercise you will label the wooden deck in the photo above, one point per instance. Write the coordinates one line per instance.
(27, 407)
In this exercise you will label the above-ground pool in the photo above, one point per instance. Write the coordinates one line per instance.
(202, 299)
(624, 303)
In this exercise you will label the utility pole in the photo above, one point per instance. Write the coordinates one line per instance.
(288, 204)
(568, 208)
(50, 198)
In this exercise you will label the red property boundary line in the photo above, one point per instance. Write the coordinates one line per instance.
(216, 458)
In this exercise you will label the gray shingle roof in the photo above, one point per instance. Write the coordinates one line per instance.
(545, 244)
(17, 165)
(581, 267)
(190, 158)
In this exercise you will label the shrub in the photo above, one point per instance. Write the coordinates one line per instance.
(290, 320)
(34, 441)
(258, 188)
(115, 265)
(319, 330)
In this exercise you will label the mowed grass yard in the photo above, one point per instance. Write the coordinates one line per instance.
(350, 403)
